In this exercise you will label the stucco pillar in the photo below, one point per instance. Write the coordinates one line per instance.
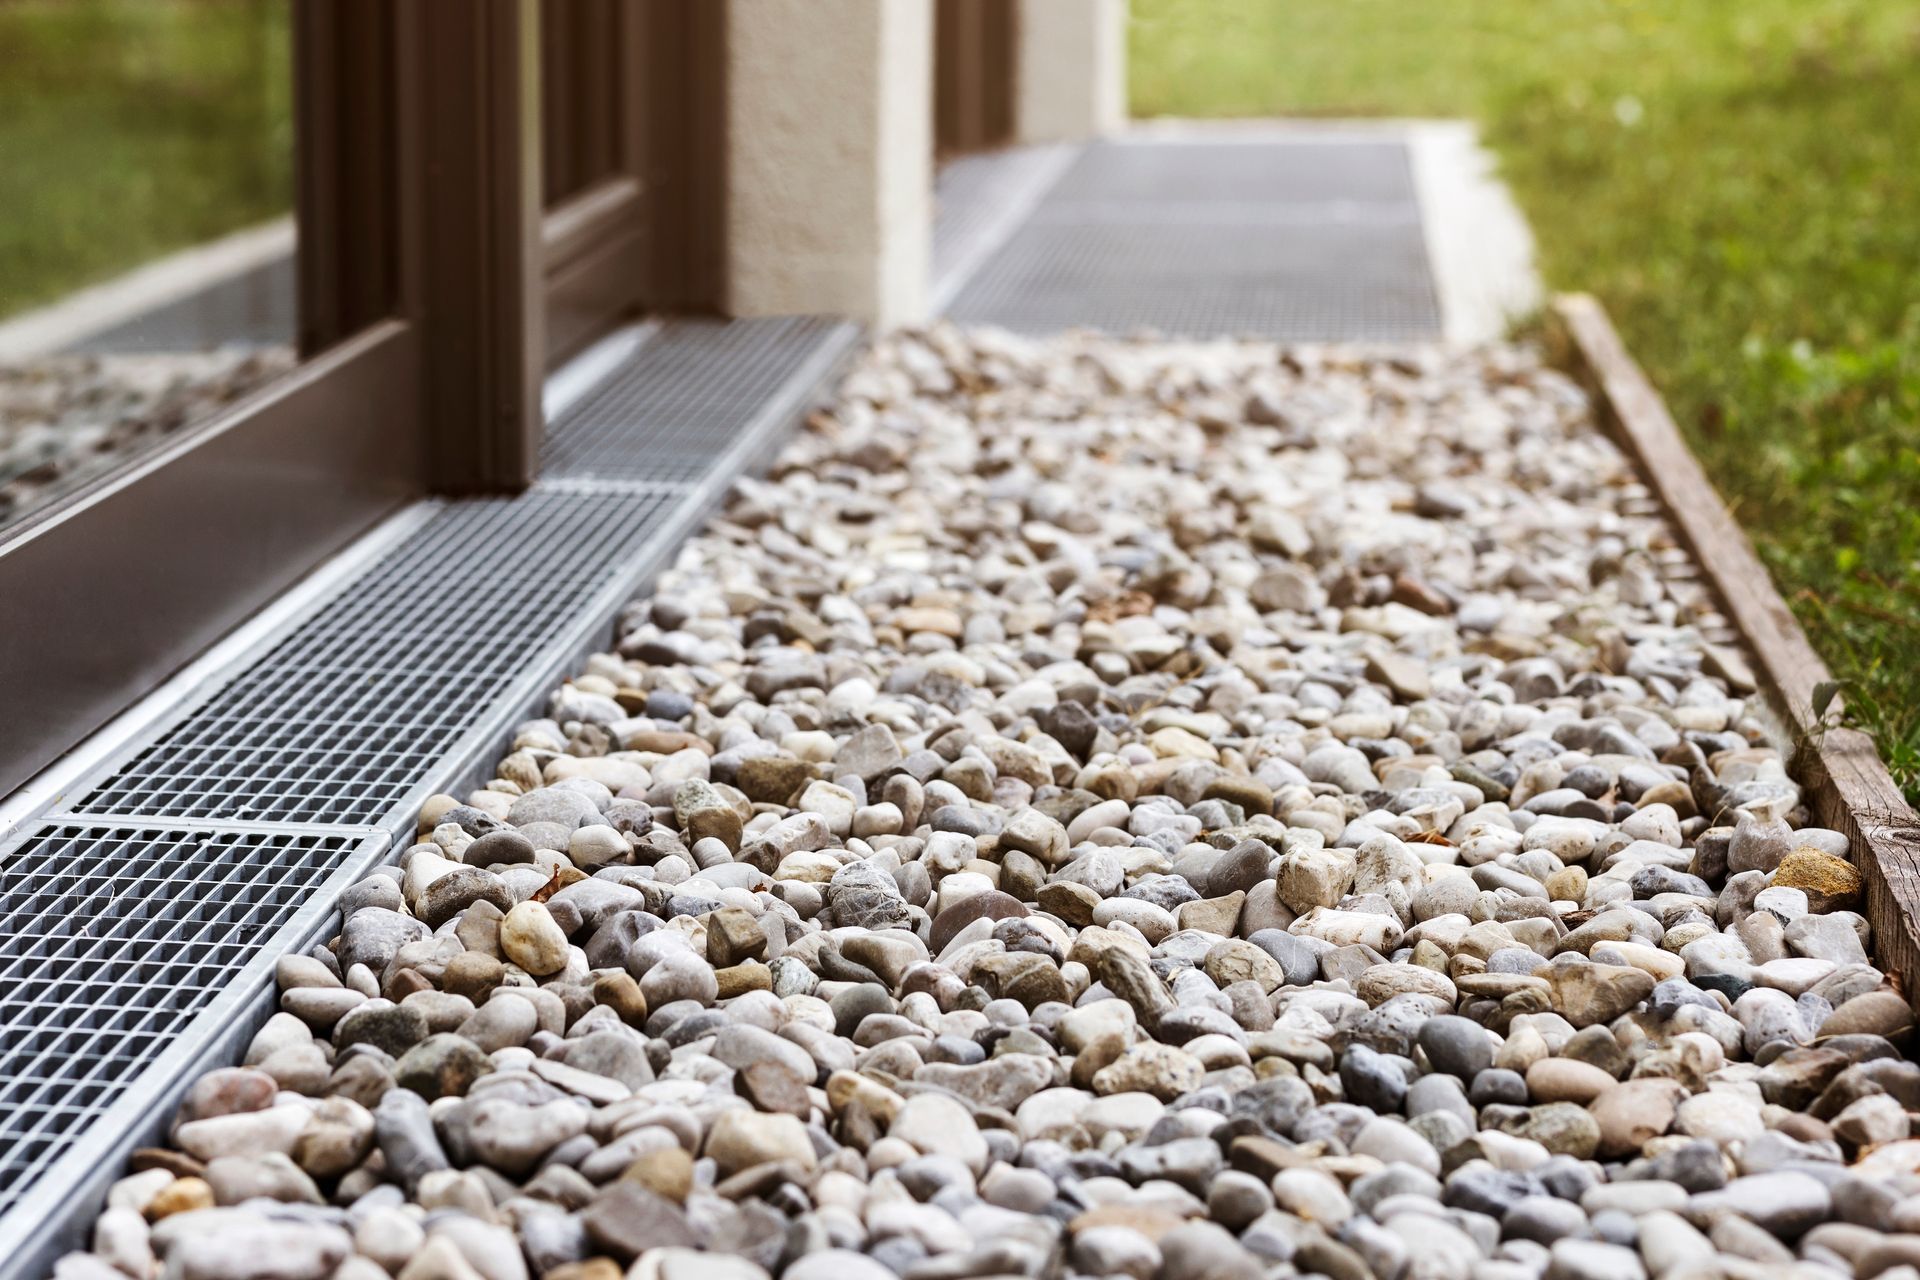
(829, 145)
(1070, 69)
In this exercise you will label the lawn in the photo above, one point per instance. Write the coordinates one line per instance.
(1736, 181)
(129, 128)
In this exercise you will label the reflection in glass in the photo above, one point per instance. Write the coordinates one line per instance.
(146, 248)
(579, 87)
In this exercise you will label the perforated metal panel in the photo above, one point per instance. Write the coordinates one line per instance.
(685, 397)
(1300, 241)
(341, 718)
(113, 940)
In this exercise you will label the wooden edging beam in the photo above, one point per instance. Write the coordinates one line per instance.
(1848, 784)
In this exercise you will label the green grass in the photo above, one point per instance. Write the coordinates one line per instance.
(1737, 181)
(129, 128)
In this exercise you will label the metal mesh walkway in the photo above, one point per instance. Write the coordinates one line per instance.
(1296, 240)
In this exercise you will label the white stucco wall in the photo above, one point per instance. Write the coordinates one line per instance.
(1070, 80)
(829, 157)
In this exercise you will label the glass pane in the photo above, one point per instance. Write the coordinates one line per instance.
(579, 107)
(146, 238)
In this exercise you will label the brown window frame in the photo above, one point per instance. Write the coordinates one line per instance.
(973, 75)
(435, 290)
(593, 58)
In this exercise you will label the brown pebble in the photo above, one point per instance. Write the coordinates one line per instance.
(666, 741)
(1566, 1080)
(772, 1086)
(177, 1163)
(622, 994)
(1635, 1113)
(733, 936)
(1252, 795)
(473, 975)
(741, 978)
(1804, 1128)
(402, 983)
(1073, 903)
(1877, 1013)
(774, 779)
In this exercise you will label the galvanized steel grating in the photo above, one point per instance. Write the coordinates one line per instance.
(112, 940)
(1300, 241)
(682, 401)
(1246, 171)
(336, 722)
(976, 197)
(1322, 284)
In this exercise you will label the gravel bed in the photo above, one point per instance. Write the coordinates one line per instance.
(1174, 811)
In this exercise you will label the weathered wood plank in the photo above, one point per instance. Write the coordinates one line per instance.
(1851, 790)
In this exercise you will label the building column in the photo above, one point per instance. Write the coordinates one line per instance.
(1070, 69)
(829, 142)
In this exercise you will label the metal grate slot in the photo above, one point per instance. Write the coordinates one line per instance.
(112, 942)
(685, 397)
(1299, 241)
(339, 720)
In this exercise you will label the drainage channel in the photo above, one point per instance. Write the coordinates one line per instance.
(145, 900)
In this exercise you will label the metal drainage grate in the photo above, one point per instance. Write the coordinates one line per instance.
(978, 199)
(686, 396)
(1300, 241)
(112, 941)
(339, 720)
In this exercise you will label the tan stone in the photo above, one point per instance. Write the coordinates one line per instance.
(1151, 1223)
(665, 1171)
(1830, 883)
(532, 940)
(742, 1138)
(1252, 795)
(1567, 1080)
(741, 978)
(1212, 915)
(1880, 1013)
(1633, 1114)
(182, 1195)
